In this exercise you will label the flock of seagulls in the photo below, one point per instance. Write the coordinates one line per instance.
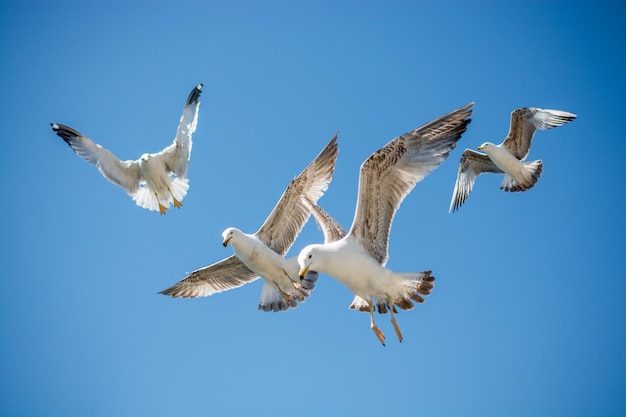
(356, 258)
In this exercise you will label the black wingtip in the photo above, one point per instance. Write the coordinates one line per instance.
(65, 132)
(194, 96)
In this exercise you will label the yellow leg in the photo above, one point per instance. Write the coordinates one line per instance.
(176, 202)
(162, 208)
(393, 321)
(395, 326)
(379, 334)
(285, 295)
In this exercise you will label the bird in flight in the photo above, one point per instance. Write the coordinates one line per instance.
(154, 181)
(358, 259)
(508, 157)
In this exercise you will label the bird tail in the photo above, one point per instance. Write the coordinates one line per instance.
(530, 176)
(414, 285)
(145, 198)
(275, 299)
(179, 187)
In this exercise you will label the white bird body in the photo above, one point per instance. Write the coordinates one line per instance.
(277, 272)
(516, 171)
(357, 259)
(161, 189)
(364, 277)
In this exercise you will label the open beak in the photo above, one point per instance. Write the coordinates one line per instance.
(303, 272)
(225, 242)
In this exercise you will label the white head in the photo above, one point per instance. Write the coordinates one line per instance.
(487, 146)
(145, 157)
(227, 235)
(308, 259)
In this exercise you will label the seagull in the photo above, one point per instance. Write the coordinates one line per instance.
(358, 259)
(262, 254)
(507, 158)
(149, 179)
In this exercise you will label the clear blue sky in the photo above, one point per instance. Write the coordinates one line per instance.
(527, 317)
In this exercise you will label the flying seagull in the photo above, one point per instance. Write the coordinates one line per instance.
(358, 259)
(507, 158)
(149, 179)
(262, 254)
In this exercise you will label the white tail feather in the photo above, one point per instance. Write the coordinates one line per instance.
(179, 188)
(273, 300)
(145, 198)
(530, 176)
(411, 286)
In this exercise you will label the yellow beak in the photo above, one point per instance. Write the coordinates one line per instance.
(303, 271)
(225, 242)
(480, 148)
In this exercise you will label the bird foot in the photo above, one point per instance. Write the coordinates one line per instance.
(379, 334)
(162, 208)
(177, 203)
(397, 329)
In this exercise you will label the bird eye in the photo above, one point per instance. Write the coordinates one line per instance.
(310, 256)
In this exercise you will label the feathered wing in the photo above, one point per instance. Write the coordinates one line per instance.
(472, 165)
(525, 121)
(330, 227)
(176, 156)
(125, 174)
(389, 174)
(286, 220)
(221, 276)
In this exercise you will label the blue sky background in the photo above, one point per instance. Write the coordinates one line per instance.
(528, 314)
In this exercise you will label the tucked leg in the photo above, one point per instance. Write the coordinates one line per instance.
(288, 298)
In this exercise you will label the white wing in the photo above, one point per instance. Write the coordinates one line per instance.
(330, 227)
(221, 276)
(286, 220)
(472, 165)
(125, 174)
(389, 174)
(524, 123)
(176, 156)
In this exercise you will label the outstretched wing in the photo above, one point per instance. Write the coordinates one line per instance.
(285, 222)
(389, 174)
(524, 123)
(221, 276)
(125, 174)
(330, 227)
(176, 156)
(472, 165)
